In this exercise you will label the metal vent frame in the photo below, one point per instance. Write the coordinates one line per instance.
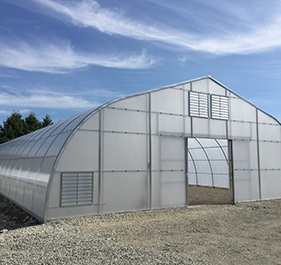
(76, 188)
(198, 104)
(219, 107)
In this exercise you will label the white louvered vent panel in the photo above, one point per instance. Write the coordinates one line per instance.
(220, 107)
(198, 104)
(76, 189)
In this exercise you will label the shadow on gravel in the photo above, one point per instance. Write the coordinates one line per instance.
(13, 217)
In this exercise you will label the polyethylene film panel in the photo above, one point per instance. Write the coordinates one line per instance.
(169, 153)
(269, 132)
(39, 201)
(242, 154)
(72, 124)
(33, 172)
(265, 118)
(167, 101)
(241, 110)
(57, 144)
(125, 151)
(92, 123)
(28, 192)
(81, 153)
(200, 127)
(45, 171)
(215, 88)
(218, 129)
(200, 86)
(35, 147)
(221, 180)
(192, 180)
(240, 130)
(270, 155)
(134, 103)
(125, 121)
(246, 185)
(219, 166)
(270, 184)
(168, 189)
(125, 191)
(204, 179)
(45, 146)
(170, 124)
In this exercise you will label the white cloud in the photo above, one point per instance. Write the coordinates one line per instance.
(253, 39)
(60, 57)
(43, 99)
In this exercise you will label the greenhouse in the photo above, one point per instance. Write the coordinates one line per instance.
(159, 148)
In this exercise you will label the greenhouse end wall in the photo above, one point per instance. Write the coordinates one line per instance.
(142, 151)
(136, 149)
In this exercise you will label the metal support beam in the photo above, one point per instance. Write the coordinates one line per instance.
(258, 152)
(150, 155)
(100, 135)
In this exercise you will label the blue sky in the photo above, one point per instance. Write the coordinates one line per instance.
(62, 57)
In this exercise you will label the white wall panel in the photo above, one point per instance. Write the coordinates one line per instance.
(201, 127)
(125, 151)
(125, 121)
(215, 88)
(168, 189)
(81, 153)
(270, 155)
(269, 132)
(263, 117)
(170, 124)
(241, 110)
(270, 184)
(246, 185)
(218, 129)
(164, 101)
(134, 103)
(200, 86)
(92, 123)
(125, 191)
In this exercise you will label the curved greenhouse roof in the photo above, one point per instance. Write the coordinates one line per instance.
(143, 151)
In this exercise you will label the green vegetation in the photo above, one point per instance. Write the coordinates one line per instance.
(15, 125)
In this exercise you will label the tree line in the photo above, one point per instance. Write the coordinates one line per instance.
(15, 125)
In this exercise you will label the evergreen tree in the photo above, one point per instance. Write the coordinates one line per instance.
(32, 123)
(12, 128)
(15, 126)
(46, 121)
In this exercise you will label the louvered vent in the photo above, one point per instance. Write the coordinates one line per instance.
(76, 189)
(198, 104)
(220, 107)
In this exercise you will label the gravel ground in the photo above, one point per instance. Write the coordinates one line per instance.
(245, 233)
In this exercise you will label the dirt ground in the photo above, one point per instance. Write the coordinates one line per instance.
(245, 233)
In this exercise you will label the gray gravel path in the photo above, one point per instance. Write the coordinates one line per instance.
(247, 233)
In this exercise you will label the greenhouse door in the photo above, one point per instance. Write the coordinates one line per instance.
(209, 171)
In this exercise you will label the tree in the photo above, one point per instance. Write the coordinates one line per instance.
(12, 128)
(46, 121)
(15, 126)
(32, 123)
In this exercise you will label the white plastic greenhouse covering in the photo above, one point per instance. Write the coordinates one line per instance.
(143, 151)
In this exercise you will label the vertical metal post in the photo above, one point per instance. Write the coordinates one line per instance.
(100, 162)
(150, 156)
(258, 152)
(186, 169)
(230, 170)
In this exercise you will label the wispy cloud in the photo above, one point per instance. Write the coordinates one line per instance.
(60, 57)
(88, 13)
(43, 99)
